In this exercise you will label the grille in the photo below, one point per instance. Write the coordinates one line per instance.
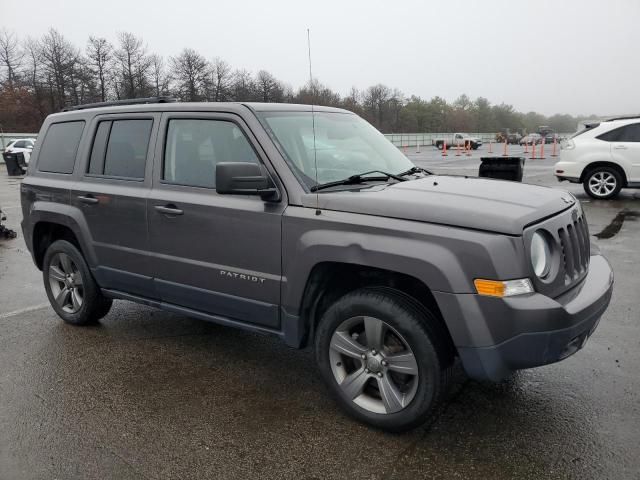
(575, 245)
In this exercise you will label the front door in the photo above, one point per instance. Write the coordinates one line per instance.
(218, 254)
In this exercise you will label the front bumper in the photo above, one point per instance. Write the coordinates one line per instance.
(533, 330)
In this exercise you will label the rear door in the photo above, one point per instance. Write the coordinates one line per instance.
(218, 254)
(112, 194)
(625, 149)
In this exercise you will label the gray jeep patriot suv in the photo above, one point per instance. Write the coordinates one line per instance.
(306, 223)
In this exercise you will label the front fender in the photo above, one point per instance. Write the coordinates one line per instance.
(445, 259)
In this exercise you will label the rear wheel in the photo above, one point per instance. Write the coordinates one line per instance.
(70, 287)
(381, 358)
(439, 145)
(602, 183)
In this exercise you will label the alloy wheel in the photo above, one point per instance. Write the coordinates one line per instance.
(373, 365)
(65, 280)
(602, 184)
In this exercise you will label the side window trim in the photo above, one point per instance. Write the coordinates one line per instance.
(111, 118)
(212, 116)
(38, 161)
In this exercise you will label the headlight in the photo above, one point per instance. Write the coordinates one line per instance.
(540, 254)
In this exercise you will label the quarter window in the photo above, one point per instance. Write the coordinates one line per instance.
(60, 146)
(627, 133)
(120, 148)
(194, 148)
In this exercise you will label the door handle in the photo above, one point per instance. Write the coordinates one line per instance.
(88, 199)
(620, 147)
(169, 209)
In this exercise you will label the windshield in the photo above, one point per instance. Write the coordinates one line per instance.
(345, 145)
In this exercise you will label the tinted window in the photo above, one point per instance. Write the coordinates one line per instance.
(21, 144)
(59, 148)
(628, 133)
(194, 147)
(96, 163)
(127, 148)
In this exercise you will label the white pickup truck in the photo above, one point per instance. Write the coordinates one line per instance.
(458, 139)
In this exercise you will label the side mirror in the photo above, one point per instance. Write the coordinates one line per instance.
(243, 178)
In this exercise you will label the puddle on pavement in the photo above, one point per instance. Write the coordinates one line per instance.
(614, 227)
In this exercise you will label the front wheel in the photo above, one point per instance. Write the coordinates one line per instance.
(382, 357)
(602, 183)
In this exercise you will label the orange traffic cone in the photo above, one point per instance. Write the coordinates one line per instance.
(468, 144)
(533, 150)
(504, 153)
(553, 151)
(490, 147)
(526, 147)
(444, 149)
(541, 157)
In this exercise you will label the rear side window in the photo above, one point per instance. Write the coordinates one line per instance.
(120, 148)
(194, 147)
(60, 146)
(627, 133)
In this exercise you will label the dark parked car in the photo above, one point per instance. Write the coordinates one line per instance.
(231, 213)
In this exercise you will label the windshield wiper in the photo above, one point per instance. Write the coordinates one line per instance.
(358, 178)
(415, 169)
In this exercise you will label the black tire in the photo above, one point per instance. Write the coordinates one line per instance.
(474, 146)
(93, 305)
(439, 145)
(606, 173)
(417, 326)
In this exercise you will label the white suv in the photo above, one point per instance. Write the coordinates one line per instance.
(604, 157)
(22, 145)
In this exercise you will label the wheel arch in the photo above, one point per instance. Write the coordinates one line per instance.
(604, 163)
(51, 222)
(329, 281)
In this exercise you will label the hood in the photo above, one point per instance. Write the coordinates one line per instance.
(477, 203)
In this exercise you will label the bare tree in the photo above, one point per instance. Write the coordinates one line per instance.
(59, 58)
(100, 54)
(190, 72)
(375, 102)
(11, 56)
(134, 66)
(242, 88)
(268, 88)
(221, 77)
(159, 77)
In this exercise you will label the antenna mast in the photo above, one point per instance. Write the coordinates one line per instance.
(313, 122)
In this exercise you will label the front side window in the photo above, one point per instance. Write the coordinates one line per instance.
(195, 146)
(60, 146)
(21, 144)
(120, 148)
(343, 145)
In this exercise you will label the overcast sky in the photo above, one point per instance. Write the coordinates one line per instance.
(568, 56)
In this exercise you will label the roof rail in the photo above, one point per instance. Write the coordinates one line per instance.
(622, 117)
(127, 101)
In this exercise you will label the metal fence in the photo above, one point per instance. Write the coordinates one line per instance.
(419, 139)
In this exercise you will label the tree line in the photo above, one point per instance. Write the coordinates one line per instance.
(39, 76)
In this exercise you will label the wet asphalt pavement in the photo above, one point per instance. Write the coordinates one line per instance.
(153, 395)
